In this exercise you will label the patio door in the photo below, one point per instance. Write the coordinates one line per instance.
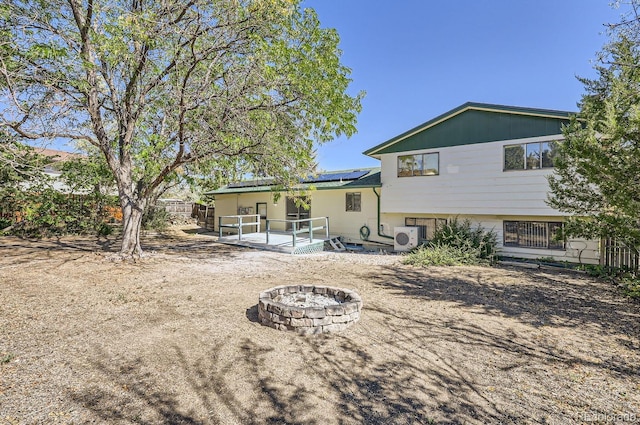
(261, 210)
(295, 212)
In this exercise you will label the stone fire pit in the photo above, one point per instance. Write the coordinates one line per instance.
(309, 309)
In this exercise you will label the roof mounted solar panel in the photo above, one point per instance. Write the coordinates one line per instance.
(332, 177)
(249, 183)
(319, 178)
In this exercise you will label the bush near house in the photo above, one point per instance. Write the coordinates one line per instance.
(456, 243)
(51, 213)
(156, 217)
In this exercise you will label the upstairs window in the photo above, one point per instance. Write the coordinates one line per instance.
(529, 156)
(424, 164)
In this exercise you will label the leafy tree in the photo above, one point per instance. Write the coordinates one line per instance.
(171, 88)
(597, 167)
(19, 163)
(21, 175)
(92, 181)
(30, 205)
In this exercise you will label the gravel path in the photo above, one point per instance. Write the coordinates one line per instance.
(174, 339)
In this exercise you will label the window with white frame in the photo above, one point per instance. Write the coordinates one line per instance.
(533, 234)
(426, 226)
(529, 156)
(423, 164)
(354, 201)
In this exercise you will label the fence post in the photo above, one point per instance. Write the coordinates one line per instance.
(326, 226)
(268, 230)
(219, 223)
(294, 233)
(239, 227)
(310, 230)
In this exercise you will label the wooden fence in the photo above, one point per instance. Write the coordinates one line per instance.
(617, 255)
(206, 216)
(182, 209)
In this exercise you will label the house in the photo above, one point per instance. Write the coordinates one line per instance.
(488, 163)
(482, 162)
(347, 197)
(54, 168)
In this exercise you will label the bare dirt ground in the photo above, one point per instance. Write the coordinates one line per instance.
(175, 339)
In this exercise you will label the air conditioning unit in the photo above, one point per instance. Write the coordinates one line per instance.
(405, 238)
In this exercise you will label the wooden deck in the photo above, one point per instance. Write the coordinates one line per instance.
(277, 242)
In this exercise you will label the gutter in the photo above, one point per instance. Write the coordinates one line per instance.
(379, 232)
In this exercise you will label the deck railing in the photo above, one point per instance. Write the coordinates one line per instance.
(297, 227)
(238, 222)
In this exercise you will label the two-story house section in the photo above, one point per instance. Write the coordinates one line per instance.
(488, 163)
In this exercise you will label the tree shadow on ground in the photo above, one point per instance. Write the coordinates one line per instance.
(199, 231)
(337, 380)
(25, 250)
(133, 395)
(252, 314)
(534, 297)
(394, 367)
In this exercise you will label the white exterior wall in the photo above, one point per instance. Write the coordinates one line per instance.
(471, 181)
(324, 203)
(576, 250)
(332, 204)
(228, 204)
(472, 184)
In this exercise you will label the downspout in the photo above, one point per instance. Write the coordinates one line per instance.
(379, 232)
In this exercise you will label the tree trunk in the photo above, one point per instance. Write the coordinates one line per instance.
(131, 226)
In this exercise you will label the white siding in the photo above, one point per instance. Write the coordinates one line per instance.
(471, 182)
(576, 250)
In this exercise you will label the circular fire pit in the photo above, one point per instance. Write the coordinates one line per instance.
(309, 309)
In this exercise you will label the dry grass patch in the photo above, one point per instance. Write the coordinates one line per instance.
(175, 339)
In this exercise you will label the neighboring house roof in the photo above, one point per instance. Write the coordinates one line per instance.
(476, 123)
(56, 158)
(344, 179)
(57, 155)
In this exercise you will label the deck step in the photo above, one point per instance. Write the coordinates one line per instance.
(336, 244)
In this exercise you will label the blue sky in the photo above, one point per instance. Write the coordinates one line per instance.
(417, 59)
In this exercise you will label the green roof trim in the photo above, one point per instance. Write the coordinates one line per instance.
(472, 123)
(371, 179)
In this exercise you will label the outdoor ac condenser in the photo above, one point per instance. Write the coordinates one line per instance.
(405, 238)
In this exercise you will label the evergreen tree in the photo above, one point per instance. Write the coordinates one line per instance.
(597, 167)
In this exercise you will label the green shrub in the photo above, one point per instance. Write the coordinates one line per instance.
(631, 287)
(462, 235)
(456, 243)
(104, 230)
(50, 213)
(442, 255)
(627, 280)
(596, 270)
(156, 218)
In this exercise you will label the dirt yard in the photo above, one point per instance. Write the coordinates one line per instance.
(175, 339)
